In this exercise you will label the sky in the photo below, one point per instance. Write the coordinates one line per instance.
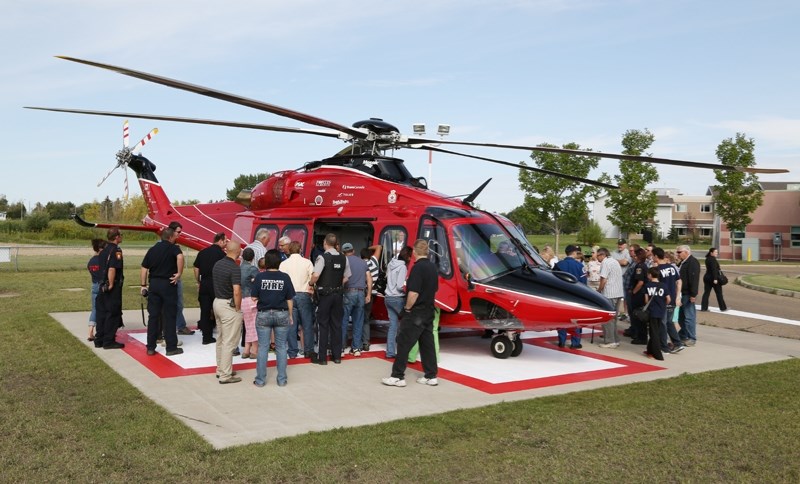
(501, 71)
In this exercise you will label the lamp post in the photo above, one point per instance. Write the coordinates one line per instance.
(442, 130)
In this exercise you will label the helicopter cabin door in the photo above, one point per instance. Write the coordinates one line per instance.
(439, 252)
(358, 232)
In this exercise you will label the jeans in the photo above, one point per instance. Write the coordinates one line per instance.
(93, 315)
(353, 305)
(687, 319)
(303, 315)
(266, 321)
(668, 331)
(394, 306)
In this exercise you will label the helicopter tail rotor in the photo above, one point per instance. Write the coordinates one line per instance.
(125, 154)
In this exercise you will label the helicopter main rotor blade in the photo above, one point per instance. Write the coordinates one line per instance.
(214, 122)
(523, 167)
(646, 159)
(224, 96)
(144, 141)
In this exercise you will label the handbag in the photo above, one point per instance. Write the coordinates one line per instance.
(722, 278)
(641, 313)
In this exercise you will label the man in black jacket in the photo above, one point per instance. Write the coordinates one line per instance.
(203, 267)
(690, 285)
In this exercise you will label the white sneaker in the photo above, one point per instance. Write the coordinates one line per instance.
(393, 382)
(428, 381)
(609, 345)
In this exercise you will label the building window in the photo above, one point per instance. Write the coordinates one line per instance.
(681, 231)
(705, 208)
(794, 237)
(705, 232)
(680, 207)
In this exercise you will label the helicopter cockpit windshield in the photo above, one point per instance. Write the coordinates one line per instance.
(485, 252)
(523, 241)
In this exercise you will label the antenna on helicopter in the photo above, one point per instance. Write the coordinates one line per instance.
(472, 196)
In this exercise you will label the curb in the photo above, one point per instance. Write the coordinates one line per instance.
(770, 290)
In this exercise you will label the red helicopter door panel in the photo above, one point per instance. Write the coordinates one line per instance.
(440, 253)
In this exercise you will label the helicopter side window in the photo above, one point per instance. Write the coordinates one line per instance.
(298, 233)
(482, 251)
(393, 239)
(438, 248)
(273, 235)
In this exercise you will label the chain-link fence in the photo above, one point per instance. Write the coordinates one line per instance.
(43, 258)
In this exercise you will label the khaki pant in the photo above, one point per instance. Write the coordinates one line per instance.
(229, 330)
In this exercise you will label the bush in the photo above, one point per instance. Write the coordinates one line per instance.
(591, 234)
(37, 222)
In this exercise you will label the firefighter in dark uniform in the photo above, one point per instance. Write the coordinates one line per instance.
(109, 300)
(164, 264)
(203, 268)
(331, 271)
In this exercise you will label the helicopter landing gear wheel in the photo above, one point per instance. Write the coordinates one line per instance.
(502, 346)
(517, 342)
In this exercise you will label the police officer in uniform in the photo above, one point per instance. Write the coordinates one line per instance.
(331, 271)
(109, 300)
(163, 262)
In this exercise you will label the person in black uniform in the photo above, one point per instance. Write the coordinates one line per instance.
(331, 271)
(164, 264)
(637, 281)
(416, 324)
(203, 267)
(109, 300)
(711, 281)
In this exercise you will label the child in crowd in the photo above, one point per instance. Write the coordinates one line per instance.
(97, 277)
(657, 299)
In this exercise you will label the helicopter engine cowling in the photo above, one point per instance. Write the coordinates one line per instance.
(270, 193)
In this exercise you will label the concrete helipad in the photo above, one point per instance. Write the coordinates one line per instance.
(321, 398)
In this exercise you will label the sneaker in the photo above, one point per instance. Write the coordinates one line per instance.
(356, 352)
(609, 345)
(233, 379)
(678, 348)
(164, 343)
(233, 373)
(393, 382)
(208, 341)
(236, 351)
(176, 351)
(428, 381)
(690, 342)
(186, 331)
(365, 347)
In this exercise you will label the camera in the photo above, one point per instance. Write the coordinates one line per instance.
(104, 286)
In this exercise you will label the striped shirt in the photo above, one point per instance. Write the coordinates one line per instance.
(611, 271)
(372, 266)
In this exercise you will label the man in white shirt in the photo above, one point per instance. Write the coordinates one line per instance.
(300, 271)
(610, 287)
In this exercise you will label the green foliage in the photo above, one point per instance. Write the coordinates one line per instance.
(554, 201)
(37, 221)
(16, 210)
(591, 234)
(245, 182)
(633, 206)
(3, 203)
(738, 194)
(60, 210)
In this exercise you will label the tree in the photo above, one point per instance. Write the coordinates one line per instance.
(738, 194)
(245, 182)
(60, 210)
(16, 210)
(591, 234)
(633, 206)
(3, 203)
(558, 201)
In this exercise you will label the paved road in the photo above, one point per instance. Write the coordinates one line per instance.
(740, 298)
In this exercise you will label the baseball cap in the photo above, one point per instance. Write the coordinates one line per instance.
(621, 241)
(572, 248)
(347, 247)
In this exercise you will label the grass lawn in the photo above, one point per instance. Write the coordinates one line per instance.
(777, 281)
(66, 416)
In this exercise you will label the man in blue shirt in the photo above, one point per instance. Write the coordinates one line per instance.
(573, 266)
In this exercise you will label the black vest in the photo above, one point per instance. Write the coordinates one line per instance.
(330, 279)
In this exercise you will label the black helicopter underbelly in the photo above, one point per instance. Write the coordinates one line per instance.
(552, 285)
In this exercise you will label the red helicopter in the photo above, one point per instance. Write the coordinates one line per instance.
(490, 277)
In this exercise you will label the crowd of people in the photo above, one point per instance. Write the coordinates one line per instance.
(274, 300)
(277, 300)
